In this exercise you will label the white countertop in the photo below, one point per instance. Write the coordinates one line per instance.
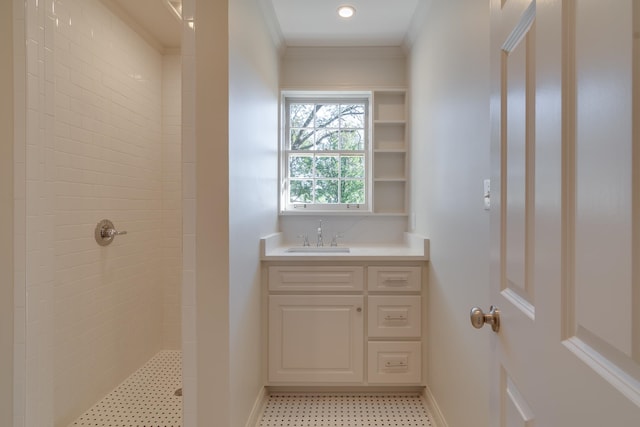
(414, 248)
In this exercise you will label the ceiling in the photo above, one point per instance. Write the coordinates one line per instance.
(297, 22)
(316, 22)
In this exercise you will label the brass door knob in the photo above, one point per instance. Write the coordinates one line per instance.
(478, 318)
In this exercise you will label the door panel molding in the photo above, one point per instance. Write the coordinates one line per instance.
(605, 366)
(635, 250)
(599, 325)
(520, 303)
(516, 411)
(521, 29)
(517, 151)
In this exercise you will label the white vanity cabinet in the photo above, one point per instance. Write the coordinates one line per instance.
(348, 323)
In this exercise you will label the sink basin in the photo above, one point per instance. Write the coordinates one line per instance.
(319, 249)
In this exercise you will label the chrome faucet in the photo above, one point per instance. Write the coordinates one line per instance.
(320, 242)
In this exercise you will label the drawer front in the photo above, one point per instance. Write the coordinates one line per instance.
(394, 363)
(336, 279)
(394, 316)
(396, 279)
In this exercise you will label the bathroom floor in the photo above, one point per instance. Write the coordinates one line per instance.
(147, 398)
(345, 410)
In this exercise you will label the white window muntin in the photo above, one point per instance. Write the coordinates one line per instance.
(311, 206)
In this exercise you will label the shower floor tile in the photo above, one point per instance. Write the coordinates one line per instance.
(345, 410)
(146, 399)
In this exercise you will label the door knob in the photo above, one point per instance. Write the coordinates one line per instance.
(478, 318)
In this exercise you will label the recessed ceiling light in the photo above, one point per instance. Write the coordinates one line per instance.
(346, 11)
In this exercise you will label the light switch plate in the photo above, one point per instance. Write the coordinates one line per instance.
(487, 194)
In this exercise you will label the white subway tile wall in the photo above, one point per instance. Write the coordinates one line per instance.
(101, 140)
(172, 199)
(19, 214)
(189, 347)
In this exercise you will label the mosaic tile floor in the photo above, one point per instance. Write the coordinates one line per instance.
(345, 410)
(146, 399)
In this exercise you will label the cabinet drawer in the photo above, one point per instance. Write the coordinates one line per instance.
(347, 278)
(394, 316)
(394, 363)
(396, 279)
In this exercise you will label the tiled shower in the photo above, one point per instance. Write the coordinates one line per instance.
(99, 139)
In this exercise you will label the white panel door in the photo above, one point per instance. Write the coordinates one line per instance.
(566, 213)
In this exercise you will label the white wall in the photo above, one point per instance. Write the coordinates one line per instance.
(344, 68)
(205, 168)
(93, 131)
(450, 158)
(6, 214)
(230, 94)
(253, 196)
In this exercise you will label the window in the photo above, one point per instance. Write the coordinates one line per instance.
(326, 153)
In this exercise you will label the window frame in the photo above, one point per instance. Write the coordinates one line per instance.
(318, 97)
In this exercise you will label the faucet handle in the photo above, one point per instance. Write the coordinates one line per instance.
(334, 240)
(305, 239)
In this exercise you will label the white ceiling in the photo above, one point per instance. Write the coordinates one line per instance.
(316, 22)
(298, 22)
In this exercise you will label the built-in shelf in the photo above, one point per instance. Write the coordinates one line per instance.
(390, 105)
(389, 122)
(390, 152)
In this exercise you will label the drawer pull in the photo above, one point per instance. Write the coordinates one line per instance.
(395, 365)
(396, 281)
(399, 318)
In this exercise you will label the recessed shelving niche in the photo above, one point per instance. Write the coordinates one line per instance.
(390, 151)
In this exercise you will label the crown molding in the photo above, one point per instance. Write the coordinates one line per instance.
(269, 14)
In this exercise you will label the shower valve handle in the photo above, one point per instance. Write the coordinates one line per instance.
(105, 232)
(110, 232)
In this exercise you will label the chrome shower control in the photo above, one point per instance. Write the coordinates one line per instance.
(105, 232)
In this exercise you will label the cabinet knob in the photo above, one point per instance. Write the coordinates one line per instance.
(359, 309)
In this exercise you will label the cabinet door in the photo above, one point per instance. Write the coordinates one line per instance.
(315, 338)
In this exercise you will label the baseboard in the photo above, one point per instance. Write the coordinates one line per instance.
(346, 389)
(434, 409)
(258, 407)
